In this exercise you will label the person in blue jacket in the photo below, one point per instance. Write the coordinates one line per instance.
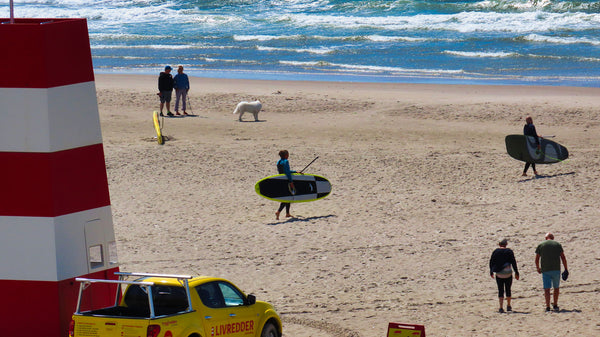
(283, 167)
(529, 130)
(181, 83)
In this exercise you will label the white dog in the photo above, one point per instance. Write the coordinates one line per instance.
(253, 107)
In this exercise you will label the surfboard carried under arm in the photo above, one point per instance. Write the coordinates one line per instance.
(308, 187)
(524, 148)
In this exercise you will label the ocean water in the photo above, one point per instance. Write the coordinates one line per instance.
(548, 42)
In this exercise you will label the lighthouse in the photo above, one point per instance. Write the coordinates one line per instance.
(55, 214)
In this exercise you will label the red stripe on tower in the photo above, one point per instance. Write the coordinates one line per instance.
(55, 215)
(66, 57)
(54, 184)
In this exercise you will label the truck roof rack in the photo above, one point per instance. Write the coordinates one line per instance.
(183, 279)
(120, 273)
(89, 280)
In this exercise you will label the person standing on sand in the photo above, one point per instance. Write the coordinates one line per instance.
(165, 89)
(529, 130)
(181, 83)
(502, 262)
(551, 254)
(283, 167)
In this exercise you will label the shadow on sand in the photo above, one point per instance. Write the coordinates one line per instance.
(300, 219)
(544, 176)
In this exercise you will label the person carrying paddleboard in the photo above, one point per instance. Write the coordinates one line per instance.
(529, 130)
(283, 167)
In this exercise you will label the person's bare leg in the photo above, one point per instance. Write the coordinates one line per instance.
(555, 297)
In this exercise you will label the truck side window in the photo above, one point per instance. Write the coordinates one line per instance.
(232, 296)
(210, 295)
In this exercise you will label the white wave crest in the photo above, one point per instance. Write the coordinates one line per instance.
(370, 69)
(464, 22)
(147, 46)
(321, 50)
(561, 39)
(482, 54)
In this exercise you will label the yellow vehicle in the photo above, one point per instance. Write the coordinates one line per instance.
(160, 305)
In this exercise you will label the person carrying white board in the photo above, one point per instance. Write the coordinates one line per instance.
(283, 167)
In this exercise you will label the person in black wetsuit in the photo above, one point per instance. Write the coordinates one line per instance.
(529, 130)
(503, 263)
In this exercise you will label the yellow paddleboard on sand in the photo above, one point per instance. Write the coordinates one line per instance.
(159, 136)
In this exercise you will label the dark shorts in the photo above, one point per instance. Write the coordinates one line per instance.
(165, 96)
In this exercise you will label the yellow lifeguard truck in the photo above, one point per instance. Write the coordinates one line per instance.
(160, 305)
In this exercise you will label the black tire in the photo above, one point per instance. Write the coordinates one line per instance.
(269, 330)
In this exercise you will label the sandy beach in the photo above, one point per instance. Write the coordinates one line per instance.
(423, 190)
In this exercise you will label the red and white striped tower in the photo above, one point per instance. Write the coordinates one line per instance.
(55, 216)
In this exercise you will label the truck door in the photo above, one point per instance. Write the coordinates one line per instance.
(225, 312)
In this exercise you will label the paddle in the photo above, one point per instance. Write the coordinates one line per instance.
(305, 167)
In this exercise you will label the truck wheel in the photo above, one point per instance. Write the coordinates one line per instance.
(269, 331)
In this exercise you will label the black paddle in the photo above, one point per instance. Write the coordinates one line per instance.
(309, 164)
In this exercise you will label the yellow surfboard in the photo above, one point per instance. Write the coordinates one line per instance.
(159, 136)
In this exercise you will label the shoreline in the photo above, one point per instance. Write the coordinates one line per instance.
(358, 78)
(110, 80)
(423, 190)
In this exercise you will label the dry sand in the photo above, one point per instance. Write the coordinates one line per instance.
(422, 191)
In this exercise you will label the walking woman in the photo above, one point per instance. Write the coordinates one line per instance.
(502, 263)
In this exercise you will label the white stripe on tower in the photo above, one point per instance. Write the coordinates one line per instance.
(56, 119)
(55, 215)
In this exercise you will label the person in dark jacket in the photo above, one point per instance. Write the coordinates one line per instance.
(529, 130)
(165, 89)
(502, 263)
